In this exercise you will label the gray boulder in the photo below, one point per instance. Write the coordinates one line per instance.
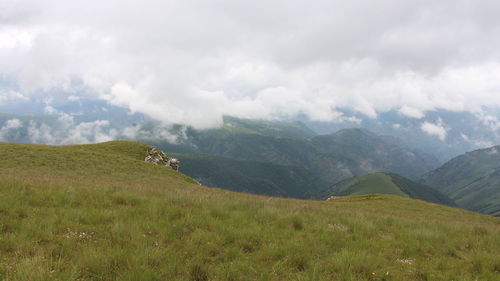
(158, 157)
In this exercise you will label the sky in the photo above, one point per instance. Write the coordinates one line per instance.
(192, 62)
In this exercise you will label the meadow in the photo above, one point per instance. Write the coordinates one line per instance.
(99, 212)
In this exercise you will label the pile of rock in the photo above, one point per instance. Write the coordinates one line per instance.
(158, 157)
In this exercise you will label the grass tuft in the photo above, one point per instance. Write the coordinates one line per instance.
(198, 273)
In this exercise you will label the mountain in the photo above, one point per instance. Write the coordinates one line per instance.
(386, 183)
(460, 131)
(255, 177)
(361, 151)
(99, 212)
(291, 129)
(471, 179)
(257, 161)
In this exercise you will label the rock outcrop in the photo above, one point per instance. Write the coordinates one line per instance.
(158, 157)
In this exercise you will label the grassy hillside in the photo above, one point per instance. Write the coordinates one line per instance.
(386, 183)
(472, 180)
(98, 212)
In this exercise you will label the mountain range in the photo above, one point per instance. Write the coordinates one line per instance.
(246, 146)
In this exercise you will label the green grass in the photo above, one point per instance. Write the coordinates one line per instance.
(376, 183)
(385, 183)
(98, 212)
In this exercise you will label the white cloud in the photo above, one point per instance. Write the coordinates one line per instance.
(8, 127)
(478, 142)
(15, 38)
(193, 61)
(493, 151)
(65, 130)
(490, 121)
(11, 95)
(12, 124)
(411, 112)
(434, 129)
(483, 143)
(73, 98)
(69, 132)
(160, 132)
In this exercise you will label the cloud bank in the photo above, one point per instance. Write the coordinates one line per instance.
(437, 130)
(193, 61)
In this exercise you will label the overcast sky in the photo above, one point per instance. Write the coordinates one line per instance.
(192, 61)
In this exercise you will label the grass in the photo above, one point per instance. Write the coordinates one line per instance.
(386, 183)
(376, 183)
(98, 212)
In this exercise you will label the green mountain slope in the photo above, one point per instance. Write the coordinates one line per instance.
(268, 128)
(471, 179)
(328, 159)
(99, 212)
(386, 183)
(360, 152)
(263, 178)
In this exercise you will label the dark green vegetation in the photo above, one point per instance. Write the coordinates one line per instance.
(263, 178)
(472, 180)
(98, 212)
(386, 183)
(248, 145)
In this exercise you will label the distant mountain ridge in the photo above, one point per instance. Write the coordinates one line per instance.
(250, 146)
(291, 129)
(363, 152)
(471, 179)
(465, 131)
(347, 147)
(386, 183)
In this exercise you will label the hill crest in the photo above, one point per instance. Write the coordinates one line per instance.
(386, 183)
